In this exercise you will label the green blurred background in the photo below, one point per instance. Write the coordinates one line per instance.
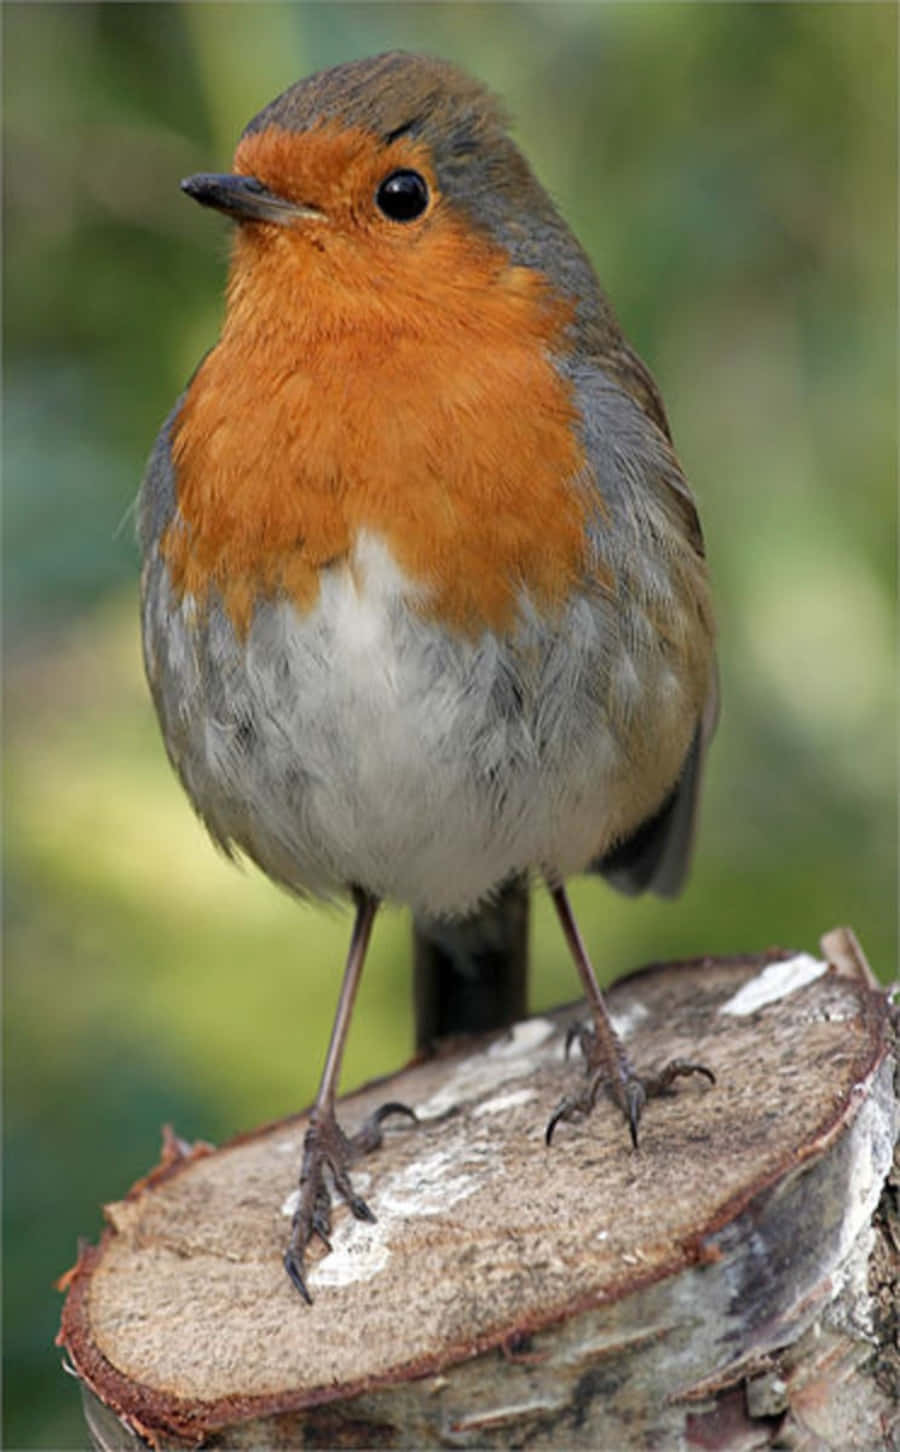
(732, 170)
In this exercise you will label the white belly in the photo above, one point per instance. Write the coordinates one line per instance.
(359, 744)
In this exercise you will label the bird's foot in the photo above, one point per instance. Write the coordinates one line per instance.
(613, 1072)
(327, 1147)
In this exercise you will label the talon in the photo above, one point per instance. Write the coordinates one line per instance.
(657, 1084)
(327, 1147)
(635, 1099)
(369, 1137)
(295, 1272)
(565, 1109)
(608, 1065)
(322, 1228)
(384, 1111)
(320, 1221)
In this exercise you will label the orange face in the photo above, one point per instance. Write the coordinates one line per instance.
(377, 375)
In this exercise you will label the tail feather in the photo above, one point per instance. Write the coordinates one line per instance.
(471, 975)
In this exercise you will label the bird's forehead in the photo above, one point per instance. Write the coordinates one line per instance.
(388, 96)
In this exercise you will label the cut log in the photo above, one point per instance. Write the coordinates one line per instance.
(731, 1285)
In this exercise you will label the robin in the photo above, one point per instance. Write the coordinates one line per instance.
(425, 607)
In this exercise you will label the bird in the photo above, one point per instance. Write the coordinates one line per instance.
(426, 614)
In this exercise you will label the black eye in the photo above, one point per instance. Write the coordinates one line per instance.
(403, 196)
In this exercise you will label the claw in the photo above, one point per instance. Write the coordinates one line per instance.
(369, 1137)
(635, 1099)
(657, 1084)
(326, 1146)
(575, 1106)
(384, 1111)
(294, 1268)
(564, 1110)
(322, 1228)
(630, 1090)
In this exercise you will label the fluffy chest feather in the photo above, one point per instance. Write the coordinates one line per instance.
(355, 742)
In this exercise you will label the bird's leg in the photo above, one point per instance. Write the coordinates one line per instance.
(325, 1144)
(605, 1055)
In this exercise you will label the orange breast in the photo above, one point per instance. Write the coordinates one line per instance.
(375, 382)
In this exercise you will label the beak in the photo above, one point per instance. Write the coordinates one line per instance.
(246, 199)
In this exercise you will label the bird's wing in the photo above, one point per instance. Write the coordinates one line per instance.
(656, 855)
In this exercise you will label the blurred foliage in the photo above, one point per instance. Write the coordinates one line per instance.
(732, 169)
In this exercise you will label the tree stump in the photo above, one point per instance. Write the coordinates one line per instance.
(731, 1285)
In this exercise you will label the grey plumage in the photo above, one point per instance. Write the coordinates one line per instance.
(362, 744)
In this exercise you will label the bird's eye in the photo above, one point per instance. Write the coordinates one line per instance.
(402, 196)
